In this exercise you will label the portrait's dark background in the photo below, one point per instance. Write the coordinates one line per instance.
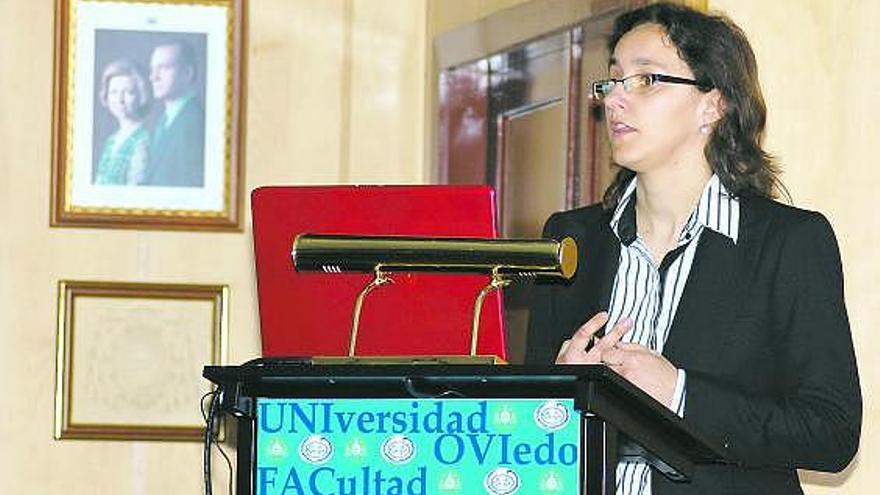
(137, 46)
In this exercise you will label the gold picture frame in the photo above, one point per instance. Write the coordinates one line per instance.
(148, 114)
(129, 358)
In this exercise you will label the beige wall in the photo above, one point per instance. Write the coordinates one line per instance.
(444, 15)
(337, 93)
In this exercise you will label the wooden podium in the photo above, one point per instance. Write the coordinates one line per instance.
(617, 421)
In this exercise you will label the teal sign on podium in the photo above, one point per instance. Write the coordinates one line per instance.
(417, 447)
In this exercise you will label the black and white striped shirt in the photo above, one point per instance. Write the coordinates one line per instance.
(649, 294)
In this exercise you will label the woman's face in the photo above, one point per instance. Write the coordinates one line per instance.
(661, 126)
(123, 97)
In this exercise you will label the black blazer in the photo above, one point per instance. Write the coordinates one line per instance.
(177, 157)
(761, 330)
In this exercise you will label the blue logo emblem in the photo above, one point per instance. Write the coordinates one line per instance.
(315, 449)
(398, 449)
(551, 416)
(501, 481)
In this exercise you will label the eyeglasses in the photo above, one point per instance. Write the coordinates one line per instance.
(640, 84)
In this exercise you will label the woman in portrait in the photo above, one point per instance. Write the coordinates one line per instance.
(124, 93)
(694, 283)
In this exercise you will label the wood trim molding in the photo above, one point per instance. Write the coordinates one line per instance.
(524, 22)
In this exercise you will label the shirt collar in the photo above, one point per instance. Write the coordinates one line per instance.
(174, 108)
(716, 210)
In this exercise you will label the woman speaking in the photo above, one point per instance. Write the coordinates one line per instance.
(715, 299)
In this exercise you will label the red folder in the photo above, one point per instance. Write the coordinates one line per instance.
(419, 314)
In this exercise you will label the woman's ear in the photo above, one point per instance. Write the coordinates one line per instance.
(713, 108)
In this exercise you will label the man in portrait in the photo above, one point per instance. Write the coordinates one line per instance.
(177, 140)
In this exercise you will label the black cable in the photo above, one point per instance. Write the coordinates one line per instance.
(228, 464)
(202, 405)
(209, 437)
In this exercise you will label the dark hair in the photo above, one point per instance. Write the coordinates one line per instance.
(186, 54)
(719, 55)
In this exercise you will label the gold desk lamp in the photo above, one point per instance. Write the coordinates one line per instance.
(505, 260)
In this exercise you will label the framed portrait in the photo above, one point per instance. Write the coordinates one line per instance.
(148, 114)
(129, 358)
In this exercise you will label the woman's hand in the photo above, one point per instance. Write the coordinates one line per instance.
(644, 368)
(574, 350)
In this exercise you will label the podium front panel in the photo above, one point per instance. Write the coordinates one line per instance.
(415, 446)
(609, 409)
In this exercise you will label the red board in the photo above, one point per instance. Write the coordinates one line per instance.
(309, 314)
